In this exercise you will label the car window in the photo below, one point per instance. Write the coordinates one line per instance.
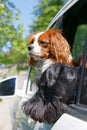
(79, 41)
(32, 80)
(58, 23)
(33, 72)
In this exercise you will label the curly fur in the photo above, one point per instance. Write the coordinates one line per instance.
(56, 90)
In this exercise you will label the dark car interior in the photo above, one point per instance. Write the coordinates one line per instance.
(77, 16)
(74, 17)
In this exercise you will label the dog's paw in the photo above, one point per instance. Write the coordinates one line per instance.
(34, 108)
(27, 107)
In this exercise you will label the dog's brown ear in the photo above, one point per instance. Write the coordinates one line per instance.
(31, 61)
(60, 48)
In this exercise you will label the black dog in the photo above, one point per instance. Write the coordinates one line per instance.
(57, 87)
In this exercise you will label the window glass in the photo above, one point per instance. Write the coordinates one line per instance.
(58, 23)
(32, 80)
(79, 41)
(33, 73)
(7, 88)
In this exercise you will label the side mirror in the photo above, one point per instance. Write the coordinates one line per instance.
(8, 86)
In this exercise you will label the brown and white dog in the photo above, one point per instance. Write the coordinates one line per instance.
(47, 48)
(50, 53)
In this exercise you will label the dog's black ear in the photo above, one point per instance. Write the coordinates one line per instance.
(42, 81)
(52, 74)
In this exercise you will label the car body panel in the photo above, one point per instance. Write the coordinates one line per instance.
(68, 122)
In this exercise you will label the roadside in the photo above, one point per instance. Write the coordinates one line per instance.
(5, 104)
(5, 119)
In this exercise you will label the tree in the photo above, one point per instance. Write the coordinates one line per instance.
(13, 48)
(45, 11)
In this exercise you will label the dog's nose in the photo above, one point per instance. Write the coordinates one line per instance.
(30, 48)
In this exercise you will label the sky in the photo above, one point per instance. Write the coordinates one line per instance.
(26, 7)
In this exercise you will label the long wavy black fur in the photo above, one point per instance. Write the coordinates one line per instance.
(56, 90)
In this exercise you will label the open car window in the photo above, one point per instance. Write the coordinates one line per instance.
(32, 87)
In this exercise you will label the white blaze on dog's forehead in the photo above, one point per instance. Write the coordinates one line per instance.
(37, 48)
(38, 35)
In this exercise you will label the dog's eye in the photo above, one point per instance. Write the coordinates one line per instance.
(43, 44)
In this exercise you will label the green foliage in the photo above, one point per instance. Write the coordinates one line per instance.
(45, 11)
(13, 49)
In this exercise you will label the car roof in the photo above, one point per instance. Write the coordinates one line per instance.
(66, 7)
